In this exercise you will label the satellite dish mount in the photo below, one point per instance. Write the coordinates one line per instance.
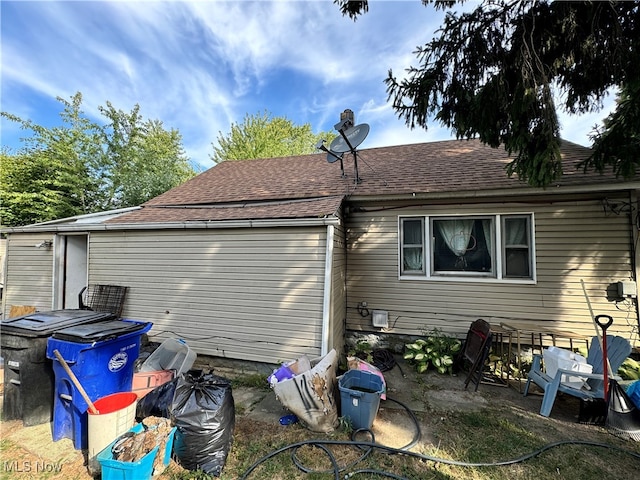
(350, 137)
(332, 157)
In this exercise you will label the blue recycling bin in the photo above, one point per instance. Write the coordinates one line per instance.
(101, 356)
(360, 393)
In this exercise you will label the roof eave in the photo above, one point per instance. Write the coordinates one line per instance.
(492, 193)
(219, 224)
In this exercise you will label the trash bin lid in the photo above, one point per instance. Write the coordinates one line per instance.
(43, 324)
(98, 332)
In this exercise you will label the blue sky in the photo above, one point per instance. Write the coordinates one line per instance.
(201, 66)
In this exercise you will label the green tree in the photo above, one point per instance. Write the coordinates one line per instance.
(261, 136)
(54, 174)
(83, 167)
(29, 190)
(496, 72)
(144, 159)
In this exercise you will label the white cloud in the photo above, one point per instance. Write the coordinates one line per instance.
(200, 66)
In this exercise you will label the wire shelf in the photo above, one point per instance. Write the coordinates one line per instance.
(103, 298)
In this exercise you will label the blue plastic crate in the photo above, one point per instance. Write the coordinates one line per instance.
(633, 392)
(360, 397)
(141, 470)
(102, 367)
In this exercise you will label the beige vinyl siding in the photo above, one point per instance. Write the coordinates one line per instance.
(338, 291)
(252, 294)
(573, 240)
(28, 272)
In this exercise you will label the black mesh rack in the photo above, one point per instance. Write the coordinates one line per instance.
(103, 298)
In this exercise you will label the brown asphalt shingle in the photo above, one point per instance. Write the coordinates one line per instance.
(239, 189)
(306, 208)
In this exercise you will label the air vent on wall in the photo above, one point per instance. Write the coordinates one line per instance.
(380, 318)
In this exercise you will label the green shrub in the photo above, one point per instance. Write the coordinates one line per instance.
(363, 350)
(436, 350)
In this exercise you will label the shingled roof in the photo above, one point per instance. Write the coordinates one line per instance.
(308, 186)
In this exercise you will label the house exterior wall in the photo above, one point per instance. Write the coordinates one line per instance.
(28, 272)
(251, 294)
(574, 240)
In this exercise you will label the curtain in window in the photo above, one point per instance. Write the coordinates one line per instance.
(517, 261)
(486, 227)
(516, 231)
(456, 234)
(413, 244)
(413, 259)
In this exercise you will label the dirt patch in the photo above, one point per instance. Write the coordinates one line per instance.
(43, 458)
(447, 400)
(29, 453)
(397, 429)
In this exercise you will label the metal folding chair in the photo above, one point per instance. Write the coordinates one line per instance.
(476, 350)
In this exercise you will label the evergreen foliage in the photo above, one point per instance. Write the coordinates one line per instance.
(501, 72)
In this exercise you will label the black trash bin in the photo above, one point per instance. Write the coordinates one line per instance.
(28, 373)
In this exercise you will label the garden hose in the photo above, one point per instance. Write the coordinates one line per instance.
(418, 432)
(384, 360)
(375, 446)
(336, 468)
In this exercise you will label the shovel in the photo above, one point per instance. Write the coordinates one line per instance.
(605, 359)
(76, 382)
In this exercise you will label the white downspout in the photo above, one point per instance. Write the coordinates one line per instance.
(635, 251)
(326, 302)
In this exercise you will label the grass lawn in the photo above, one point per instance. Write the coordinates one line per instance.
(506, 430)
(508, 435)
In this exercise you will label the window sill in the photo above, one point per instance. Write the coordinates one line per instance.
(422, 278)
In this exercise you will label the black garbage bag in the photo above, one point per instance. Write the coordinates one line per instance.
(203, 411)
(157, 403)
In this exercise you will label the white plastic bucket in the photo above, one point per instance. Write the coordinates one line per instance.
(116, 415)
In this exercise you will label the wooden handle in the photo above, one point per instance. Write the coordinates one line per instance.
(596, 324)
(75, 381)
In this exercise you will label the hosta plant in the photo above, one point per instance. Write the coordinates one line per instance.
(630, 369)
(434, 349)
(362, 350)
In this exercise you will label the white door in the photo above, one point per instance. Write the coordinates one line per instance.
(72, 265)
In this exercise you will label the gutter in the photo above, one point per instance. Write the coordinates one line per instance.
(213, 225)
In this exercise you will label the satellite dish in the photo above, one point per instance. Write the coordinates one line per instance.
(333, 157)
(355, 135)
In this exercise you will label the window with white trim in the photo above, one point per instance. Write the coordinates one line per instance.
(474, 246)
